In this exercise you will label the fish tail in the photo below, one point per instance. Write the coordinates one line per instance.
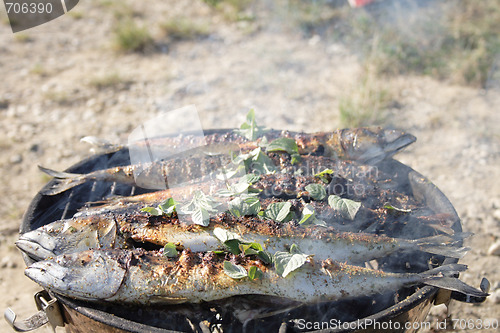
(441, 277)
(64, 181)
(444, 245)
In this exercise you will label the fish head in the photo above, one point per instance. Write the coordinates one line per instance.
(68, 236)
(87, 275)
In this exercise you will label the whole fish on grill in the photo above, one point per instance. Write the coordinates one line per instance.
(362, 145)
(367, 145)
(113, 230)
(142, 277)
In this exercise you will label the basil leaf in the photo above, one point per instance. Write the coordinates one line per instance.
(323, 175)
(250, 178)
(279, 212)
(250, 129)
(295, 159)
(170, 250)
(167, 206)
(390, 207)
(257, 246)
(254, 273)
(265, 257)
(284, 212)
(151, 210)
(308, 214)
(284, 144)
(316, 191)
(200, 208)
(247, 249)
(348, 208)
(233, 245)
(234, 271)
(285, 262)
(244, 206)
(260, 162)
(201, 216)
(224, 235)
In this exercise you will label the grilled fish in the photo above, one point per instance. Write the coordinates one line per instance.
(142, 277)
(107, 230)
(362, 145)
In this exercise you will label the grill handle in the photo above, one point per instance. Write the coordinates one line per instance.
(49, 312)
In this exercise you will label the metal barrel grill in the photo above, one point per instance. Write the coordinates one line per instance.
(403, 308)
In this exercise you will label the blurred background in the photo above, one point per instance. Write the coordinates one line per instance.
(429, 67)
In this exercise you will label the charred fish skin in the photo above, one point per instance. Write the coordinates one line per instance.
(140, 277)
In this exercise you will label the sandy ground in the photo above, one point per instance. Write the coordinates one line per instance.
(48, 102)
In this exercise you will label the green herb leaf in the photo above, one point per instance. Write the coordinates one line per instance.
(233, 245)
(308, 214)
(348, 208)
(247, 249)
(167, 206)
(250, 178)
(390, 207)
(250, 129)
(151, 210)
(234, 190)
(265, 257)
(316, 191)
(295, 158)
(254, 273)
(201, 216)
(230, 172)
(279, 212)
(200, 208)
(285, 262)
(284, 144)
(170, 250)
(224, 235)
(244, 206)
(323, 175)
(234, 271)
(260, 162)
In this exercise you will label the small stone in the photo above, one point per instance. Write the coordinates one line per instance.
(16, 159)
(496, 214)
(7, 262)
(495, 297)
(494, 249)
(34, 148)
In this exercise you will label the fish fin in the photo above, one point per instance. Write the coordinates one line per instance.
(445, 270)
(64, 181)
(447, 251)
(397, 145)
(377, 154)
(444, 245)
(103, 146)
(454, 284)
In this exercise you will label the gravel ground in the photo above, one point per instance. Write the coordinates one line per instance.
(49, 100)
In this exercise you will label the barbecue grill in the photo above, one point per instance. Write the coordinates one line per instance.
(404, 308)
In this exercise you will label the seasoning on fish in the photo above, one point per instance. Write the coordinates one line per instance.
(142, 277)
